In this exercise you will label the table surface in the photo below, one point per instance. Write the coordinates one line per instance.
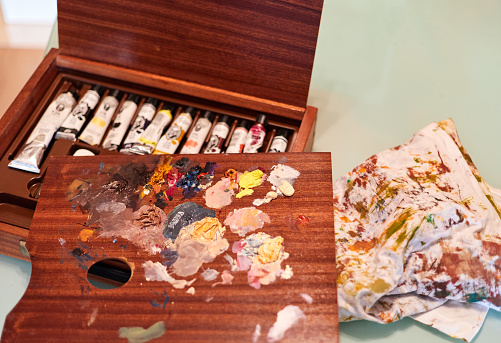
(383, 71)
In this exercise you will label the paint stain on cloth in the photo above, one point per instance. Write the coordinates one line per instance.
(416, 226)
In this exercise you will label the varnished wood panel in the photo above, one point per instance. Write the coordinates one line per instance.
(263, 49)
(61, 306)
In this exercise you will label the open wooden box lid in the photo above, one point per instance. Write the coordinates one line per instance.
(262, 49)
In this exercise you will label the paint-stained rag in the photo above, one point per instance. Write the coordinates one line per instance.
(416, 228)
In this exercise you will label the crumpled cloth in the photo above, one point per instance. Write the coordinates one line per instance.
(418, 233)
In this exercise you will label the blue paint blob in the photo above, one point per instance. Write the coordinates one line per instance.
(196, 177)
(183, 215)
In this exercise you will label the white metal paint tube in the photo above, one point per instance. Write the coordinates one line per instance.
(169, 142)
(121, 123)
(94, 131)
(31, 155)
(76, 119)
(143, 119)
(149, 139)
(197, 137)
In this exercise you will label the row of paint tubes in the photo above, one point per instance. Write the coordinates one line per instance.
(148, 134)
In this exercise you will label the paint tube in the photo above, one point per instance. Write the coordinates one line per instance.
(149, 139)
(144, 117)
(169, 142)
(94, 131)
(121, 123)
(219, 134)
(237, 141)
(256, 135)
(280, 141)
(30, 156)
(77, 118)
(197, 137)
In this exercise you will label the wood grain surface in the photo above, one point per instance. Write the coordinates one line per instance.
(260, 48)
(60, 305)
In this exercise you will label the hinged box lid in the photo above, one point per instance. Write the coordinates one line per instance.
(259, 48)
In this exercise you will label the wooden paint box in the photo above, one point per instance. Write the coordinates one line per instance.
(240, 58)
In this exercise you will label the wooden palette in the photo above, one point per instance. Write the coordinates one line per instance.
(61, 305)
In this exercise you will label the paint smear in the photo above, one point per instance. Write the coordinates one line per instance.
(245, 220)
(271, 195)
(143, 227)
(85, 234)
(164, 299)
(221, 194)
(183, 215)
(261, 256)
(306, 297)
(191, 290)
(282, 172)
(256, 334)
(196, 179)
(226, 277)
(209, 274)
(249, 180)
(198, 243)
(155, 271)
(92, 317)
(232, 262)
(140, 335)
(287, 273)
(286, 318)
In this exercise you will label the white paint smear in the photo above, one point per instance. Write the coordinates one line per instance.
(256, 334)
(286, 318)
(155, 271)
(306, 298)
(210, 274)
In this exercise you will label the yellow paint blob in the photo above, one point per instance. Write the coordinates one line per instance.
(163, 168)
(270, 251)
(206, 229)
(249, 180)
(85, 234)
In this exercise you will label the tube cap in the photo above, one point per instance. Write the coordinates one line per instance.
(74, 92)
(151, 101)
(244, 123)
(133, 97)
(282, 132)
(98, 89)
(190, 110)
(208, 115)
(115, 93)
(262, 119)
(224, 119)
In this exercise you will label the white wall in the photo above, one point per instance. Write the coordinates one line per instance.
(33, 12)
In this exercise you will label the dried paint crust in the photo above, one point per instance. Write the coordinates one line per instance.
(417, 226)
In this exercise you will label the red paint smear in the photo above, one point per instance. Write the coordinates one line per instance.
(302, 219)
